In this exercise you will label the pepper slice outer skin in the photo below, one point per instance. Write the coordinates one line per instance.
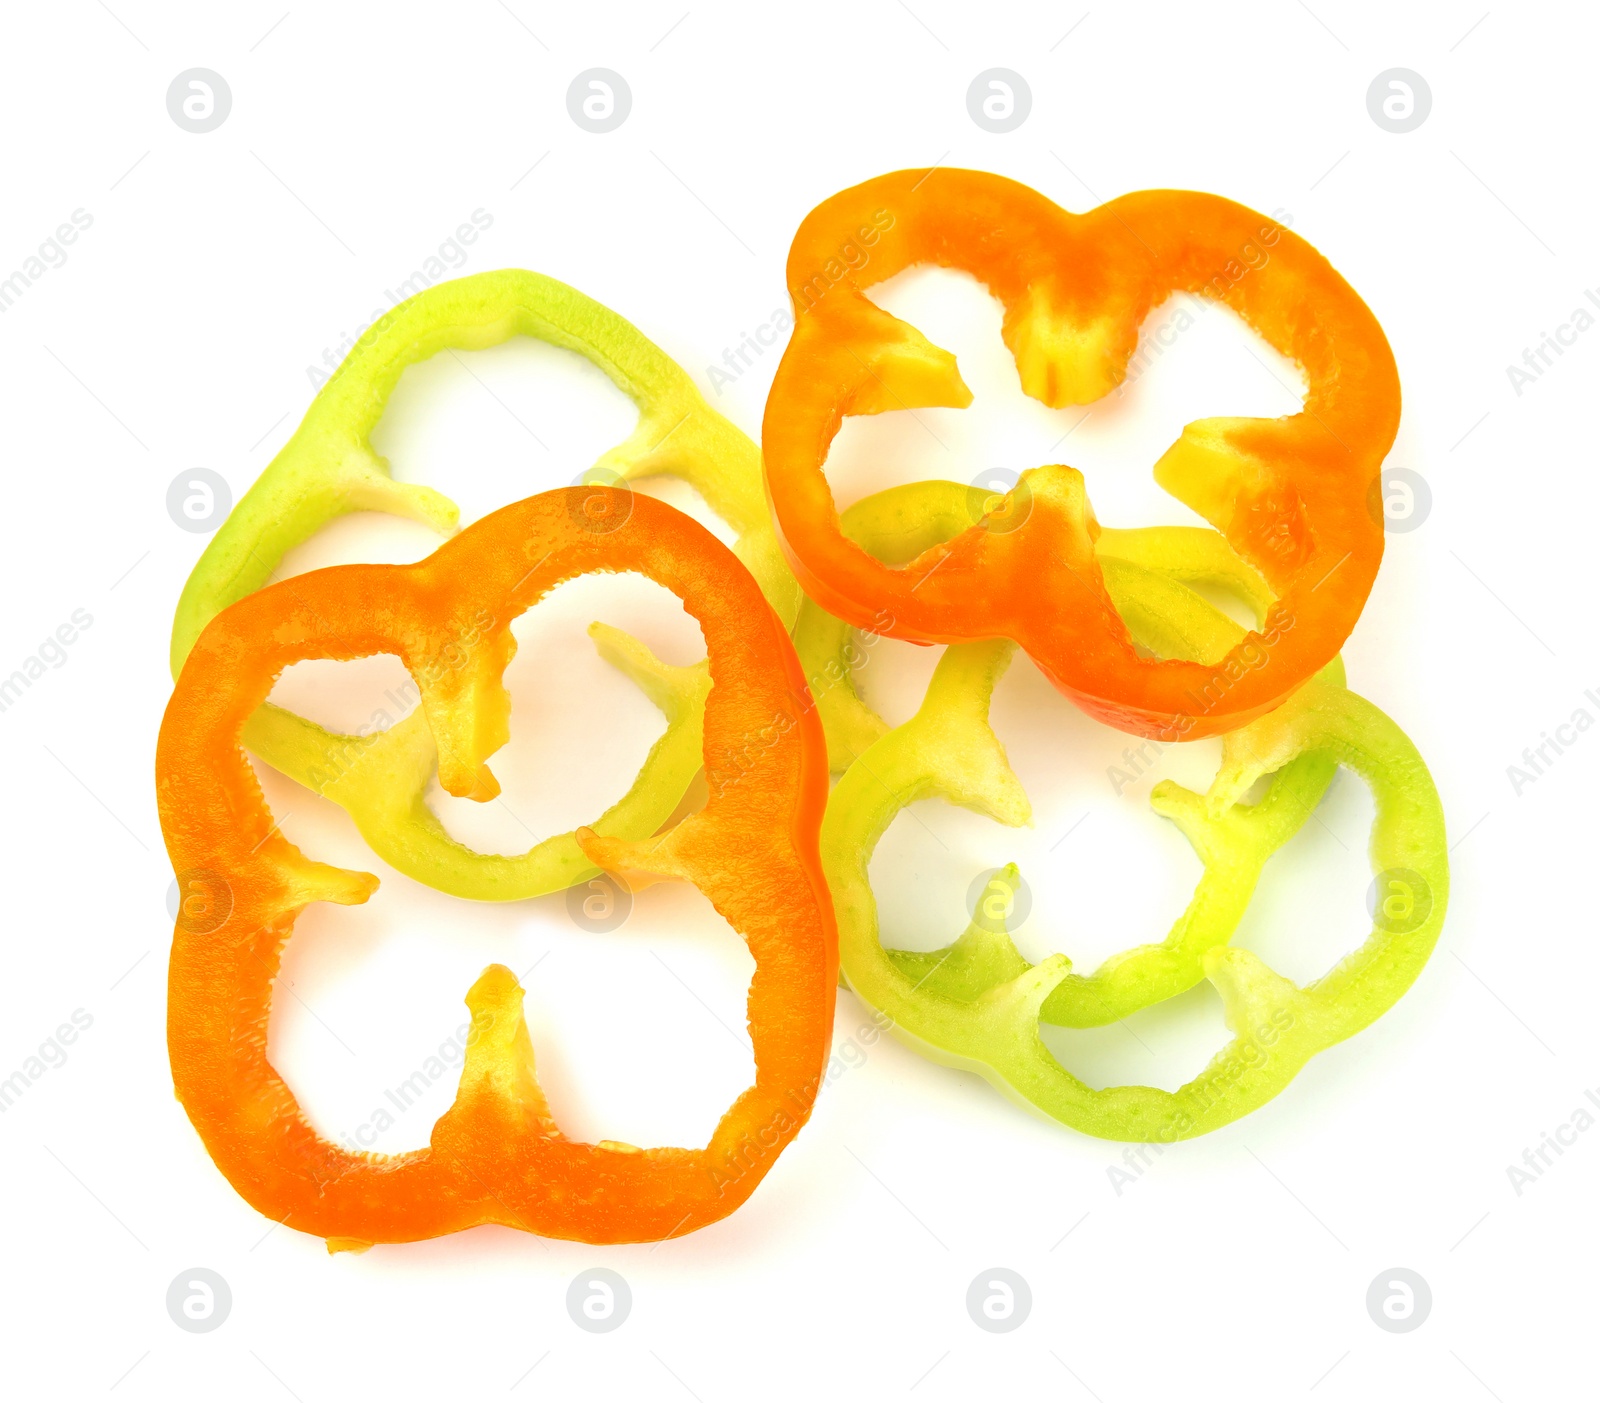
(496, 1156)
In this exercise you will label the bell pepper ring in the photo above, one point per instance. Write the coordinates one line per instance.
(329, 468)
(1293, 496)
(496, 1156)
(977, 1004)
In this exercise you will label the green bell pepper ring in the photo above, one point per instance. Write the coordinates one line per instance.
(978, 1003)
(329, 468)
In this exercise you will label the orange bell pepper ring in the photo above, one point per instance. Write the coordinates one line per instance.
(1297, 497)
(496, 1156)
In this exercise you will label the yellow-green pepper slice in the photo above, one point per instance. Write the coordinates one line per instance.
(977, 1004)
(329, 468)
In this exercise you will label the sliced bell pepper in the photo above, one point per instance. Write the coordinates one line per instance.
(977, 1004)
(329, 468)
(496, 1156)
(1294, 496)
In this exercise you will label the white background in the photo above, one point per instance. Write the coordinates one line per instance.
(178, 335)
